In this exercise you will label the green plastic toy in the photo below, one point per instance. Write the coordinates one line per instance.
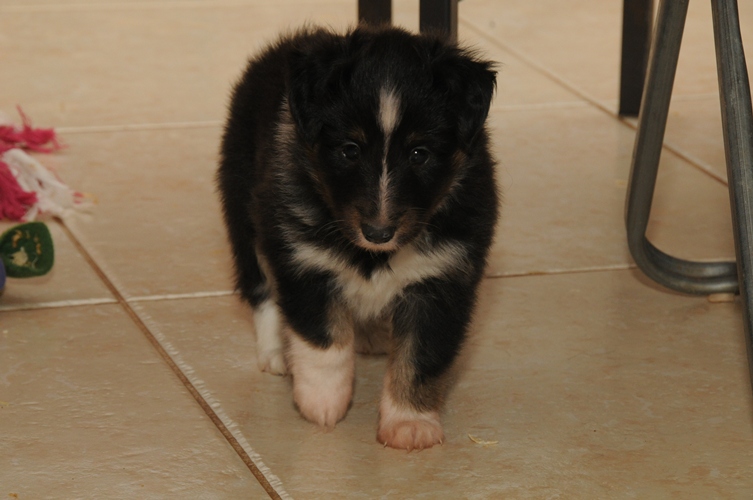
(26, 251)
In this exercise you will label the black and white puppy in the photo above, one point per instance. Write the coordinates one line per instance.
(359, 194)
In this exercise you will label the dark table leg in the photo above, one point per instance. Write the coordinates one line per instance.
(375, 12)
(637, 18)
(439, 16)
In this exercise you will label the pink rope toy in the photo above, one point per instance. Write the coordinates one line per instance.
(26, 187)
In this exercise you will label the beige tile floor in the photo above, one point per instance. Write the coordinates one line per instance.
(130, 372)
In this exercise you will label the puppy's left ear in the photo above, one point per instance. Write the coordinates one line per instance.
(469, 86)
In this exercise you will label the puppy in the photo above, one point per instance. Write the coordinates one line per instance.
(359, 195)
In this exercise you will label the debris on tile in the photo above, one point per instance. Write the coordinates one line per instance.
(718, 298)
(482, 442)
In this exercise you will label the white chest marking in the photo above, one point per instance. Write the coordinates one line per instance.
(367, 297)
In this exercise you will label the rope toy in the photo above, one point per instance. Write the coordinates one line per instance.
(27, 188)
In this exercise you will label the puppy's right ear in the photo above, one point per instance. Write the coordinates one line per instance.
(302, 80)
(312, 81)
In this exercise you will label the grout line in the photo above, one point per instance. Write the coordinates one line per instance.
(180, 296)
(571, 87)
(693, 160)
(269, 481)
(548, 272)
(271, 484)
(541, 105)
(56, 304)
(138, 127)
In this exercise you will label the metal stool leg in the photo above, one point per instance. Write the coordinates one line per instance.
(682, 275)
(737, 120)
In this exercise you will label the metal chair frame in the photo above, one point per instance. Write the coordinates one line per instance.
(737, 120)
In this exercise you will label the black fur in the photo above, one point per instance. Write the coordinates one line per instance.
(288, 180)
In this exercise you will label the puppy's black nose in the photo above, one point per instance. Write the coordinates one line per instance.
(377, 234)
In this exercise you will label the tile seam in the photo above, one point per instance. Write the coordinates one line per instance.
(57, 304)
(138, 127)
(561, 271)
(181, 296)
(229, 429)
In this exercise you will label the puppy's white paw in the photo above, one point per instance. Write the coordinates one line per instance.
(324, 406)
(407, 429)
(322, 381)
(273, 361)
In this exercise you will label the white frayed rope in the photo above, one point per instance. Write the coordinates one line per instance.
(53, 196)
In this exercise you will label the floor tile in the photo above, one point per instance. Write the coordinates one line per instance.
(71, 280)
(157, 227)
(580, 41)
(198, 57)
(518, 84)
(563, 175)
(140, 65)
(646, 396)
(89, 410)
(585, 379)
(694, 127)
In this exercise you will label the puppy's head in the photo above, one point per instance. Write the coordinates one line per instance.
(389, 121)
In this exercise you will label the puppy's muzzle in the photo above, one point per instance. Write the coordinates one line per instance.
(378, 234)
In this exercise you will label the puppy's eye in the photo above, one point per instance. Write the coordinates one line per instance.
(351, 151)
(419, 156)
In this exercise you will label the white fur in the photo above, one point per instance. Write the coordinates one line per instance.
(406, 428)
(389, 113)
(269, 340)
(367, 297)
(322, 380)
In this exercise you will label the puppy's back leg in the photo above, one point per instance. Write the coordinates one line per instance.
(268, 324)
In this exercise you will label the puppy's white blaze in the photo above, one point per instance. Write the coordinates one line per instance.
(367, 297)
(269, 342)
(322, 380)
(389, 113)
(406, 428)
(384, 194)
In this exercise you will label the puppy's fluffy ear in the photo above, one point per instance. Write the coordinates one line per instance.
(313, 71)
(469, 85)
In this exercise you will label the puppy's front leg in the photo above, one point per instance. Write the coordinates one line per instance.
(322, 380)
(320, 353)
(429, 325)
